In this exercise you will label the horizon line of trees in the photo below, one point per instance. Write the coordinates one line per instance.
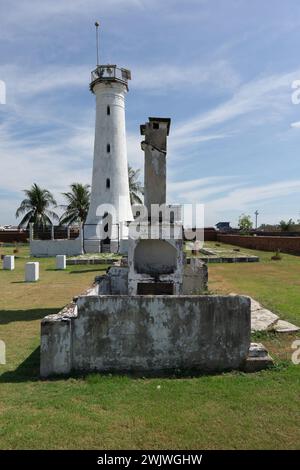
(245, 225)
(39, 203)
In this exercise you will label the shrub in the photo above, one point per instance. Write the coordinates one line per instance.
(277, 255)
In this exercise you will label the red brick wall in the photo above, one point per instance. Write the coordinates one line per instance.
(284, 244)
(210, 234)
(13, 236)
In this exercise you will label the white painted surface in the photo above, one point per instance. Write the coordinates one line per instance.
(9, 263)
(109, 130)
(32, 272)
(42, 248)
(2, 353)
(61, 261)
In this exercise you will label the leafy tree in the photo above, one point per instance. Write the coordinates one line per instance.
(36, 207)
(136, 189)
(286, 226)
(78, 201)
(245, 224)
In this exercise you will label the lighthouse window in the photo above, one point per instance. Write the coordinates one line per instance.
(108, 148)
(108, 110)
(107, 183)
(156, 125)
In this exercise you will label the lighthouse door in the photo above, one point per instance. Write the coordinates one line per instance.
(105, 242)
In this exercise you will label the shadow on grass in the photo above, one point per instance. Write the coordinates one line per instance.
(27, 371)
(24, 282)
(9, 316)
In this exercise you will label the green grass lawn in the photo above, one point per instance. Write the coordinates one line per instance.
(276, 284)
(228, 411)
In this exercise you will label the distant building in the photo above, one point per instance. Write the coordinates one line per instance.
(223, 226)
(9, 227)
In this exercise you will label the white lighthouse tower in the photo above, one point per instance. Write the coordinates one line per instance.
(110, 207)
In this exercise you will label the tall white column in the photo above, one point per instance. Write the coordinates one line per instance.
(110, 188)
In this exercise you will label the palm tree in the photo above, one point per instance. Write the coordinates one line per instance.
(36, 207)
(136, 190)
(78, 201)
(286, 226)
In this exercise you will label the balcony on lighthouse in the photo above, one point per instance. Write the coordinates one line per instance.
(110, 73)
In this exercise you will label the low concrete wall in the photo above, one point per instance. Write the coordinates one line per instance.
(148, 334)
(56, 338)
(267, 243)
(40, 248)
(82, 260)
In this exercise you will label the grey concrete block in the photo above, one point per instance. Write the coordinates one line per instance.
(32, 272)
(9, 263)
(61, 261)
(152, 333)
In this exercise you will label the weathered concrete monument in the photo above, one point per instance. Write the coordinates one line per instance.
(148, 315)
(110, 202)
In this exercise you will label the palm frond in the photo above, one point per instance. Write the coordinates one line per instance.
(136, 189)
(38, 202)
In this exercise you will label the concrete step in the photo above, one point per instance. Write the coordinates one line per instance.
(258, 358)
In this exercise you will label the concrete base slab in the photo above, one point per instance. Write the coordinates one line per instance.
(255, 305)
(285, 327)
(90, 260)
(255, 364)
(263, 319)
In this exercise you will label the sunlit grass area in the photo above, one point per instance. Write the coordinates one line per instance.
(276, 284)
(227, 411)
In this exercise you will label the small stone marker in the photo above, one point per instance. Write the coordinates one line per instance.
(61, 262)
(32, 272)
(9, 262)
(2, 353)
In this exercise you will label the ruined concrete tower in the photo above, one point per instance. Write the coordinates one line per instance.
(155, 253)
(155, 148)
(110, 188)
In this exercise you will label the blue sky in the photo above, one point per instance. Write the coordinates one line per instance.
(222, 70)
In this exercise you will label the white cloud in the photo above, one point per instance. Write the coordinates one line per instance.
(242, 198)
(269, 94)
(134, 152)
(60, 157)
(168, 77)
(26, 13)
(223, 200)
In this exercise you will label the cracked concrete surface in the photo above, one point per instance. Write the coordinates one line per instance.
(263, 319)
